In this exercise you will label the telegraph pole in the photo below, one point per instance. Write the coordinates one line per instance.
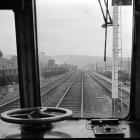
(117, 48)
(115, 61)
(96, 67)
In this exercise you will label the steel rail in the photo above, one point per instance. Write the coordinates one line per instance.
(123, 90)
(16, 99)
(9, 102)
(72, 82)
(52, 87)
(125, 102)
(108, 81)
(62, 76)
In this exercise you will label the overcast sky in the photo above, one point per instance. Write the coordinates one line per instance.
(68, 27)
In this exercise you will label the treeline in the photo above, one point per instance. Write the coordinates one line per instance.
(8, 80)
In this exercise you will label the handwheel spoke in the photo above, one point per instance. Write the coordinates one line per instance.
(19, 115)
(41, 115)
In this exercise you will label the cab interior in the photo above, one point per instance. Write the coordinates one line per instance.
(29, 82)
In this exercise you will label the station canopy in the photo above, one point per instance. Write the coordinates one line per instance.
(121, 2)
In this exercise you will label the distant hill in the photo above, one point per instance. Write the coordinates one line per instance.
(83, 60)
(79, 60)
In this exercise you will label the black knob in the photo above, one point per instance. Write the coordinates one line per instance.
(107, 128)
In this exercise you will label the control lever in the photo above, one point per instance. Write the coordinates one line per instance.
(104, 121)
(107, 128)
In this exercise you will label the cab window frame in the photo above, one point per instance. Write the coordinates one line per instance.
(27, 49)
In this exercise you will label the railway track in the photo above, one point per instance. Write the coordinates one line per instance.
(107, 85)
(70, 92)
(73, 97)
(80, 100)
(67, 99)
(109, 81)
(15, 103)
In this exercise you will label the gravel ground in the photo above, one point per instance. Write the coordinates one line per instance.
(97, 102)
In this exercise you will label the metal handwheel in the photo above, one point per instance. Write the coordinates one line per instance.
(36, 115)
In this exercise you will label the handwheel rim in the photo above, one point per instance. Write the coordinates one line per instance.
(5, 116)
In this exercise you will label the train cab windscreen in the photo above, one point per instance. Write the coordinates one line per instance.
(85, 56)
(9, 83)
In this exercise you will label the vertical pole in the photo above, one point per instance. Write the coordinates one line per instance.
(115, 61)
(128, 66)
(106, 19)
(105, 67)
(96, 66)
(27, 52)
